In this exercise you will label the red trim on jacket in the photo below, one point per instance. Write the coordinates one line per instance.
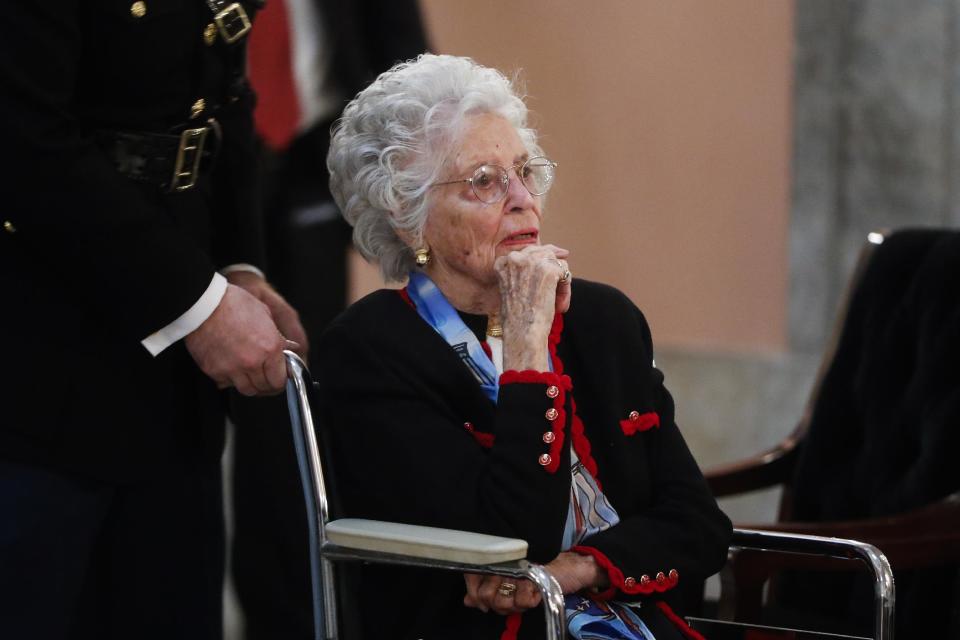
(580, 442)
(642, 422)
(614, 575)
(406, 297)
(512, 628)
(582, 445)
(557, 425)
(530, 376)
(617, 579)
(679, 622)
(484, 439)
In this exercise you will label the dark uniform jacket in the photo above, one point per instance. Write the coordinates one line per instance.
(92, 262)
(413, 439)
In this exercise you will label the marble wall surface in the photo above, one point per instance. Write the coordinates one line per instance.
(876, 140)
(876, 144)
(733, 406)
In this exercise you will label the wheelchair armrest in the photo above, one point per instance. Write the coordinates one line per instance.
(394, 543)
(921, 537)
(767, 469)
(755, 554)
(431, 543)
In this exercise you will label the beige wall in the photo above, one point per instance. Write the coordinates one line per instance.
(670, 121)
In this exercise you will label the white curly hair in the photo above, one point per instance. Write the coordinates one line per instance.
(393, 139)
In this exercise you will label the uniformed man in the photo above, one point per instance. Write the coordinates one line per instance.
(128, 255)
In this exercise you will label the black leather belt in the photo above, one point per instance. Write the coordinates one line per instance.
(231, 19)
(171, 162)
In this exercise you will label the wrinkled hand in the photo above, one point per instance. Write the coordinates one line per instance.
(531, 292)
(286, 317)
(573, 572)
(239, 345)
(576, 572)
(530, 281)
(483, 592)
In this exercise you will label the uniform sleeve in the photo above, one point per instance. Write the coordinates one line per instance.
(77, 219)
(401, 455)
(683, 534)
(238, 222)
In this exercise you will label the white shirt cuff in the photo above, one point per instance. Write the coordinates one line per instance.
(189, 321)
(243, 266)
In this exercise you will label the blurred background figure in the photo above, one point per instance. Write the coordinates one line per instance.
(307, 59)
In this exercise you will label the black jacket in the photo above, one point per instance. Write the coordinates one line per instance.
(413, 439)
(98, 262)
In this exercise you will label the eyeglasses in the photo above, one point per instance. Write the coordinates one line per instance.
(490, 182)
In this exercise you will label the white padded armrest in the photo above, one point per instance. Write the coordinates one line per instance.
(424, 542)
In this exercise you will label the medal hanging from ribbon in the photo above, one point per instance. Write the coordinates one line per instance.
(440, 314)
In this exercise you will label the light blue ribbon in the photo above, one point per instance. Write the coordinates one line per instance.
(440, 314)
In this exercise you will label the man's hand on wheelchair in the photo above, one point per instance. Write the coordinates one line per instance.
(240, 345)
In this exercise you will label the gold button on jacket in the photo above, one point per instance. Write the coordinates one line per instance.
(197, 107)
(210, 34)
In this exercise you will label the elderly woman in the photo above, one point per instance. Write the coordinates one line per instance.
(494, 393)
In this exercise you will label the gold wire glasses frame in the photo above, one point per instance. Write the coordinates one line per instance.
(490, 182)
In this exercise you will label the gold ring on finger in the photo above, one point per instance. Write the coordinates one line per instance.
(507, 589)
(565, 278)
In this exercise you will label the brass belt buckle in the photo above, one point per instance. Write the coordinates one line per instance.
(232, 22)
(189, 153)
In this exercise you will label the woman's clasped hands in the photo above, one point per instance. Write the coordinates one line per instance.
(534, 285)
(572, 571)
